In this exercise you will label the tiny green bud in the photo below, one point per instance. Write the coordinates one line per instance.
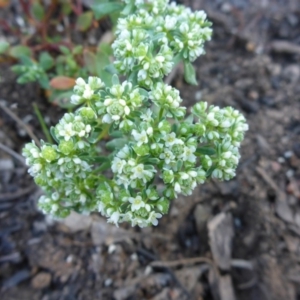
(87, 114)
(163, 205)
(66, 147)
(168, 176)
(199, 129)
(164, 126)
(49, 153)
(141, 150)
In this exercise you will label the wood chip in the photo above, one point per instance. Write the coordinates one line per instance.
(220, 231)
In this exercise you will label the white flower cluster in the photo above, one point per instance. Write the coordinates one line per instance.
(148, 40)
(142, 123)
(119, 101)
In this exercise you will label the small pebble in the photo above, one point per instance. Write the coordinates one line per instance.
(41, 280)
(108, 282)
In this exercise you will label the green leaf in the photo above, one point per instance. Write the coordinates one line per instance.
(115, 133)
(94, 137)
(103, 9)
(19, 51)
(105, 48)
(153, 161)
(111, 69)
(66, 8)
(104, 167)
(102, 62)
(127, 9)
(189, 119)
(77, 50)
(205, 151)
(46, 61)
(115, 79)
(84, 21)
(62, 98)
(44, 81)
(143, 92)
(65, 50)
(116, 144)
(52, 132)
(190, 73)
(90, 61)
(37, 11)
(3, 46)
(101, 159)
(210, 170)
(27, 61)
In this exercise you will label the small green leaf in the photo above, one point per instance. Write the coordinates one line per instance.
(65, 50)
(66, 8)
(62, 98)
(127, 9)
(77, 50)
(116, 144)
(115, 79)
(90, 61)
(103, 9)
(37, 11)
(103, 167)
(111, 69)
(52, 132)
(84, 21)
(205, 151)
(3, 46)
(190, 73)
(143, 92)
(102, 62)
(153, 161)
(116, 134)
(101, 159)
(46, 61)
(44, 81)
(19, 51)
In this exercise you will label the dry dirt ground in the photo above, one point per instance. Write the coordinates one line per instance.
(233, 240)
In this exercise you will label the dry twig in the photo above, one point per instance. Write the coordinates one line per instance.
(12, 153)
(20, 122)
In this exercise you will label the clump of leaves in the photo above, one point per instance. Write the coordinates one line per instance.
(46, 51)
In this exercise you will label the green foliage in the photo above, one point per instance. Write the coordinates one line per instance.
(48, 57)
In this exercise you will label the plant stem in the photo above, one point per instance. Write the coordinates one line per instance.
(42, 123)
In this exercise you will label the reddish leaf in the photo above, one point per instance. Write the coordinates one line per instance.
(62, 82)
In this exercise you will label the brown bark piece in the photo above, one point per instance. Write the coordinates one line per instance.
(220, 234)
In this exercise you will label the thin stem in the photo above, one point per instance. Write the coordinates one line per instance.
(42, 123)
(20, 122)
(12, 153)
(161, 112)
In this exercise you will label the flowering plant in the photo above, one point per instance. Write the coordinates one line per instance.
(151, 140)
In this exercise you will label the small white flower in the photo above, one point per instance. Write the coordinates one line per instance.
(140, 137)
(147, 116)
(88, 92)
(188, 154)
(114, 218)
(136, 203)
(80, 81)
(140, 173)
(118, 165)
(153, 218)
(167, 156)
(170, 139)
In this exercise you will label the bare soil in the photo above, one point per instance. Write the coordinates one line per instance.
(230, 240)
